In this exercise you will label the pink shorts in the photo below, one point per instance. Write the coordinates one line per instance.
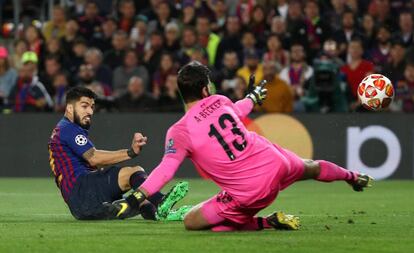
(222, 207)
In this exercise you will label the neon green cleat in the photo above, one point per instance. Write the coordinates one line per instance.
(176, 194)
(178, 214)
(282, 221)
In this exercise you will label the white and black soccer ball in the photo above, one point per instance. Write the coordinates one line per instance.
(375, 92)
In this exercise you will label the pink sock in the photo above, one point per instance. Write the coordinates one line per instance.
(256, 223)
(332, 172)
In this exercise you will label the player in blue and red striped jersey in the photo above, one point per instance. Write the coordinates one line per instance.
(76, 165)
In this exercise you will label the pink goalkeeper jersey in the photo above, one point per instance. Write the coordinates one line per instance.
(212, 135)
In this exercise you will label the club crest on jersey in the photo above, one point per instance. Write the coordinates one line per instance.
(169, 149)
(81, 140)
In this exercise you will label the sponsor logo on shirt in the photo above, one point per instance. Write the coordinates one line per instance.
(81, 140)
(169, 149)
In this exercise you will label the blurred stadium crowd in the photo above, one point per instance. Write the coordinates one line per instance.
(313, 53)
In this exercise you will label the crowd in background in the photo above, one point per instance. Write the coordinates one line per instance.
(312, 53)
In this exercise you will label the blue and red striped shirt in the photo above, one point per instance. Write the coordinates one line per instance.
(67, 144)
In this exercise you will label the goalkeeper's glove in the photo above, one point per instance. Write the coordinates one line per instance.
(256, 94)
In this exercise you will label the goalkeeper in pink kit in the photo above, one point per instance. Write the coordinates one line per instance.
(249, 169)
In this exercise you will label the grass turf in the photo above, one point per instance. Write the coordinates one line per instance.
(34, 218)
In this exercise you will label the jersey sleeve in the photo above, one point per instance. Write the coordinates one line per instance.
(176, 150)
(76, 140)
(243, 107)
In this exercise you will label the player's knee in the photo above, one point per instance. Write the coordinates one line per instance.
(190, 221)
(137, 168)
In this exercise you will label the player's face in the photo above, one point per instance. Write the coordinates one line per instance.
(83, 111)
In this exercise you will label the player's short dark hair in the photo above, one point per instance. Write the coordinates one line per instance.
(75, 94)
(192, 78)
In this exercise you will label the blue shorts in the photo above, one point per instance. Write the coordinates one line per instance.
(91, 190)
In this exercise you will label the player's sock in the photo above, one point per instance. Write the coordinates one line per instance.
(331, 172)
(256, 223)
(148, 211)
(136, 181)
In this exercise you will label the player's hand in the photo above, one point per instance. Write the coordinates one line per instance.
(257, 94)
(138, 141)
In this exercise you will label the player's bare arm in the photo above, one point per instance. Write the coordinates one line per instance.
(96, 157)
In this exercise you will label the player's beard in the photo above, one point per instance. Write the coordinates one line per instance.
(78, 121)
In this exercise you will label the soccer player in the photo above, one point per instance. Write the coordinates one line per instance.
(76, 165)
(249, 169)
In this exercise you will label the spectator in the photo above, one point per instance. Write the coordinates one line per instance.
(86, 77)
(199, 54)
(160, 76)
(297, 74)
(280, 9)
(278, 27)
(405, 33)
(224, 77)
(330, 48)
(251, 66)
(8, 76)
(334, 14)
(296, 25)
(258, 25)
(20, 46)
(220, 16)
(139, 34)
(34, 38)
(404, 99)
(188, 42)
(380, 10)
(394, 69)
(172, 38)
(125, 72)
(104, 42)
(127, 14)
(52, 68)
(279, 96)
(236, 89)
(152, 55)
(54, 48)
(275, 52)
(90, 23)
(347, 33)
(316, 28)
(369, 31)
(114, 57)
(103, 73)
(248, 41)
(356, 70)
(170, 100)
(230, 41)
(207, 39)
(379, 55)
(55, 28)
(75, 59)
(60, 85)
(135, 99)
(71, 34)
(163, 18)
(189, 14)
(29, 94)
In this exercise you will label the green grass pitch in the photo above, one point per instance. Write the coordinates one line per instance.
(34, 218)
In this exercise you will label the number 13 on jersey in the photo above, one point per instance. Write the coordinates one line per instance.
(223, 120)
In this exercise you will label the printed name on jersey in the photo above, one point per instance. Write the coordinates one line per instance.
(169, 149)
(208, 110)
(81, 140)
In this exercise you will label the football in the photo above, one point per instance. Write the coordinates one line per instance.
(375, 92)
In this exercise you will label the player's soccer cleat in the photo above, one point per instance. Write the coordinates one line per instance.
(176, 194)
(177, 214)
(362, 181)
(282, 221)
(120, 209)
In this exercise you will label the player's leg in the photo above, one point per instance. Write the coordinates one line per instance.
(327, 172)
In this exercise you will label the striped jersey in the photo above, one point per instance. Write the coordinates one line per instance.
(67, 144)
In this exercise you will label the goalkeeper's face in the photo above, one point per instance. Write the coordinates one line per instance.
(83, 111)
